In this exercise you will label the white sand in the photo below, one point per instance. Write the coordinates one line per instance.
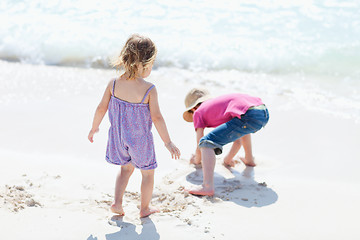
(54, 184)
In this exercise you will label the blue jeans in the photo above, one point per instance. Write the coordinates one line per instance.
(252, 121)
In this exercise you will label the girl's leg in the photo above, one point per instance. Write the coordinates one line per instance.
(122, 180)
(229, 158)
(248, 160)
(147, 186)
(208, 164)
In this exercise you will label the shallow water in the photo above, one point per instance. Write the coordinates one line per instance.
(307, 51)
(319, 37)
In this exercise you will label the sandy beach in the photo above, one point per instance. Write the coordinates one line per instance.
(54, 184)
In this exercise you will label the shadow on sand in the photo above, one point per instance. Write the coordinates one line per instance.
(242, 189)
(128, 230)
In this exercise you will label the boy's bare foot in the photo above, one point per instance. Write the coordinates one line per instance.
(201, 191)
(248, 161)
(148, 211)
(117, 209)
(230, 162)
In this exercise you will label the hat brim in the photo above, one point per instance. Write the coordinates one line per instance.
(189, 116)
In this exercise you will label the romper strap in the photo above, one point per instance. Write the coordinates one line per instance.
(113, 93)
(147, 92)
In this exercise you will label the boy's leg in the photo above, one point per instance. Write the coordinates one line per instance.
(208, 165)
(229, 158)
(147, 186)
(122, 180)
(248, 160)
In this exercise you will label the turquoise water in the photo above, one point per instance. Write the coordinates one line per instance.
(321, 37)
(309, 50)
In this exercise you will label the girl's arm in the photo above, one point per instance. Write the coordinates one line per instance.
(160, 125)
(100, 111)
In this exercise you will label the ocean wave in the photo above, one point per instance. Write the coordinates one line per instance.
(248, 36)
(338, 61)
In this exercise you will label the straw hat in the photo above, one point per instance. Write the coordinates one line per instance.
(193, 98)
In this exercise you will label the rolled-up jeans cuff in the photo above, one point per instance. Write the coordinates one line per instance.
(210, 144)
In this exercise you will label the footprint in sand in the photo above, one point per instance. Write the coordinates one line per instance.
(16, 198)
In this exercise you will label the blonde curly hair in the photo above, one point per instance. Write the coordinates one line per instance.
(138, 52)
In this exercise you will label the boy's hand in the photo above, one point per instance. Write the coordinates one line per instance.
(175, 152)
(91, 134)
(195, 159)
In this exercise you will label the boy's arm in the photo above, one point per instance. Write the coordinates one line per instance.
(100, 111)
(199, 135)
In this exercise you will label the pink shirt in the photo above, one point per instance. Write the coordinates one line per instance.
(219, 110)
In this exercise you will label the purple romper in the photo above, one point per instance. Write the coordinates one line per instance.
(130, 138)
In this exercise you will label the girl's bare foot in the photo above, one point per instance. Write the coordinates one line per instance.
(117, 209)
(148, 211)
(201, 191)
(248, 161)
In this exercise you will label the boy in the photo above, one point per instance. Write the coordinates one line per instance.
(234, 117)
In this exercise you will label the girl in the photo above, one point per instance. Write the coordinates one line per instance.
(234, 117)
(133, 107)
